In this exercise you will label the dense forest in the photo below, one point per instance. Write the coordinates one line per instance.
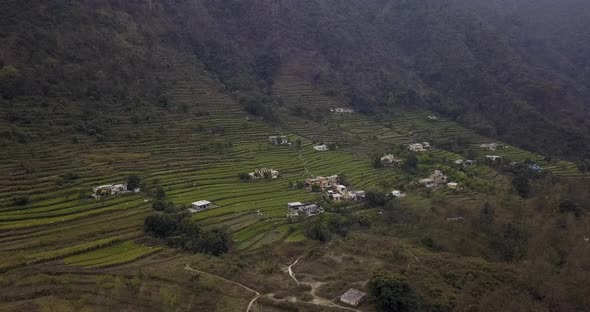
(503, 67)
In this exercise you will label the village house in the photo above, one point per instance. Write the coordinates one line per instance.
(278, 140)
(453, 185)
(295, 208)
(428, 182)
(353, 297)
(324, 183)
(419, 147)
(200, 205)
(397, 194)
(390, 160)
(432, 118)
(341, 110)
(439, 177)
(341, 193)
(335, 196)
(493, 157)
(111, 189)
(492, 146)
(264, 173)
(535, 168)
(321, 148)
(453, 219)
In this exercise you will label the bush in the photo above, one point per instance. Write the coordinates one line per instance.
(132, 182)
(21, 200)
(393, 293)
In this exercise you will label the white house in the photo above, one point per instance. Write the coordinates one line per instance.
(390, 159)
(263, 173)
(278, 140)
(341, 110)
(336, 197)
(490, 146)
(419, 147)
(294, 205)
(321, 148)
(431, 117)
(353, 297)
(397, 194)
(453, 185)
(493, 157)
(341, 189)
(200, 205)
(110, 189)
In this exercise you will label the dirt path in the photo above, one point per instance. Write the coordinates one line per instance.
(314, 286)
(250, 304)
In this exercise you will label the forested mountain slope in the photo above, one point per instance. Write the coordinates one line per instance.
(384, 56)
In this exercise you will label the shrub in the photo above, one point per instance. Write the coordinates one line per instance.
(393, 293)
(21, 200)
(132, 182)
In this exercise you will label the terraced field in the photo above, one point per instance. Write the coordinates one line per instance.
(195, 148)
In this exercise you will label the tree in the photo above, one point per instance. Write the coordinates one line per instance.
(486, 214)
(133, 182)
(9, 81)
(393, 293)
(244, 176)
(160, 193)
(375, 199)
(298, 143)
(569, 206)
(411, 162)
(160, 225)
(522, 186)
(215, 242)
(318, 230)
(376, 161)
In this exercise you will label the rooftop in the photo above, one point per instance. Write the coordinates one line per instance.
(353, 295)
(202, 203)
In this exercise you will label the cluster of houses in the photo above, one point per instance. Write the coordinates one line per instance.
(419, 147)
(341, 110)
(111, 189)
(294, 209)
(264, 173)
(437, 180)
(278, 140)
(323, 183)
(390, 160)
(341, 192)
(333, 189)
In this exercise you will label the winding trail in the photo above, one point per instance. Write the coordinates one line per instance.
(250, 304)
(317, 299)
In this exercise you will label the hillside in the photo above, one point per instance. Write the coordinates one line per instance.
(182, 97)
(382, 56)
